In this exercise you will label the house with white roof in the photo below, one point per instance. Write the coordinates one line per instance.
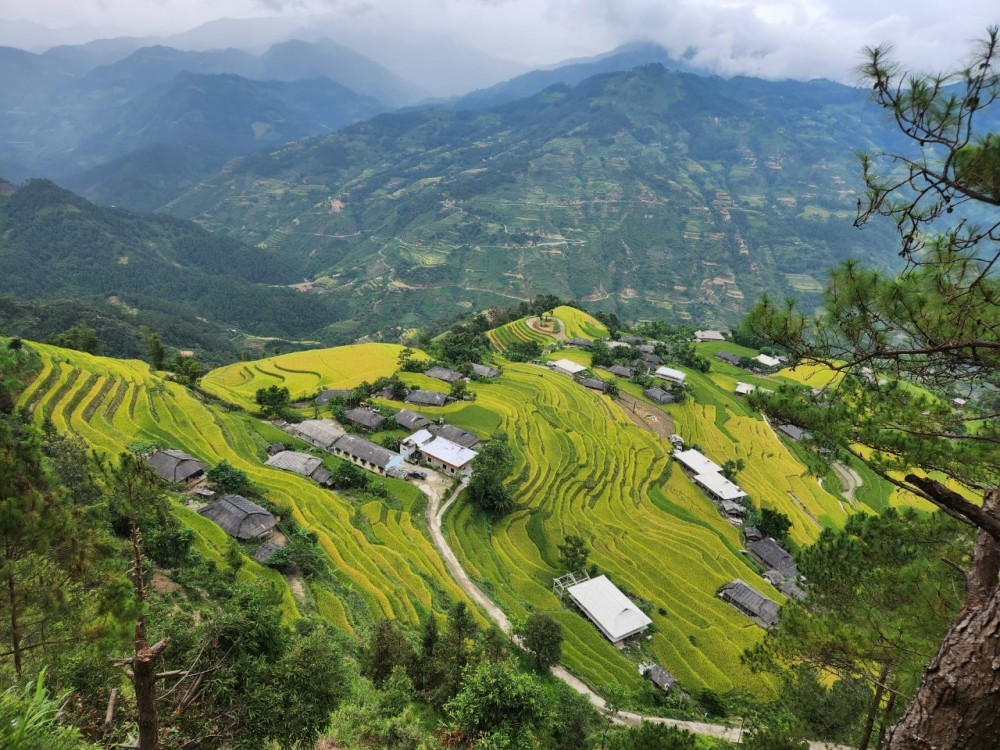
(709, 336)
(718, 487)
(668, 373)
(744, 389)
(567, 366)
(768, 361)
(439, 452)
(695, 462)
(609, 609)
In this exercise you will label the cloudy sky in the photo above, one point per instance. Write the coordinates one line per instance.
(773, 39)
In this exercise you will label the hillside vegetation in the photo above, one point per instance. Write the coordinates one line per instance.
(649, 193)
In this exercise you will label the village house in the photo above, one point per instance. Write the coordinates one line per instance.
(567, 366)
(770, 554)
(410, 420)
(240, 518)
(670, 374)
(443, 373)
(265, 552)
(728, 357)
(175, 466)
(745, 389)
(609, 609)
(439, 452)
(701, 336)
(426, 398)
(454, 434)
(582, 343)
(329, 394)
(367, 455)
(659, 676)
(594, 384)
(620, 371)
(695, 462)
(320, 433)
(485, 372)
(793, 432)
(366, 418)
(303, 464)
(767, 360)
(750, 602)
(659, 396)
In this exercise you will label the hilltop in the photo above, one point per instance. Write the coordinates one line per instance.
(649, 193)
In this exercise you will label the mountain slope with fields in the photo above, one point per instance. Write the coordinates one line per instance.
(649, 193)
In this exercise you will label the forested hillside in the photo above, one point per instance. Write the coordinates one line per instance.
(646, 193)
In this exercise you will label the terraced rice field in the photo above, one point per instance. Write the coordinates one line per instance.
(384, 564)
(302, 373)
(576, 324)
(583, 468)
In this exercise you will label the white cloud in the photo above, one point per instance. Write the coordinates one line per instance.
(771, 38)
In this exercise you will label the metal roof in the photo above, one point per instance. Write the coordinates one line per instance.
(669, 373)
(719, 486)
(613, 612)
(709, 336)
(175, 466)
(448, 452)
(768, 361)
(239, 517)
(426, 398)
(696, 462)
(567, 365)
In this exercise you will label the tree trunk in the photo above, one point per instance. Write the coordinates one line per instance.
(958, 702)
(144, 680)
(873, 707)
(15, 625)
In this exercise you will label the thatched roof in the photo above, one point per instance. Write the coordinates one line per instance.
(239, 517)
(175, 466)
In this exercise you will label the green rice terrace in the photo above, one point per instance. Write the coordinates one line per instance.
(384, 564)
(569, 323)
(582, 467)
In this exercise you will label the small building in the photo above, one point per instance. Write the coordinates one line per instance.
(794, 432)
(959, 403)
(443, 373)
(631, 340)
(609, 609)
(439, 452)
(426, 398)
(709, 336)
(367, 455)
(621, 371)
(302, 464)
(582, 343)
(676, 440)
(370, 420)
(594, 384)
(770, 554)
(329, 394)
(659, 396)
(455, 434)
(240, 518)
(696, 463)
(668, 373)
(745, 389)
(204, 494)
(318, 432)
(728, 358)
(617, 344)
(264, 552)
(175, 466)
(485, 372)
(792, 590)
(567, 366)
(646, 348)
(750, 602)
(659, 676)
(410, 420)
(767, 360)
(732, 509)
(751, 534)
(651, 360)
(718, 487)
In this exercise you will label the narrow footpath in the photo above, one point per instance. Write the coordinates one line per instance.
(435, 513)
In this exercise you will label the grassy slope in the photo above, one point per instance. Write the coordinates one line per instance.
(576, 324)
(385, 566)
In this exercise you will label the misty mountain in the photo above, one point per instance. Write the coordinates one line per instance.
(626, 57)
(646, 193)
